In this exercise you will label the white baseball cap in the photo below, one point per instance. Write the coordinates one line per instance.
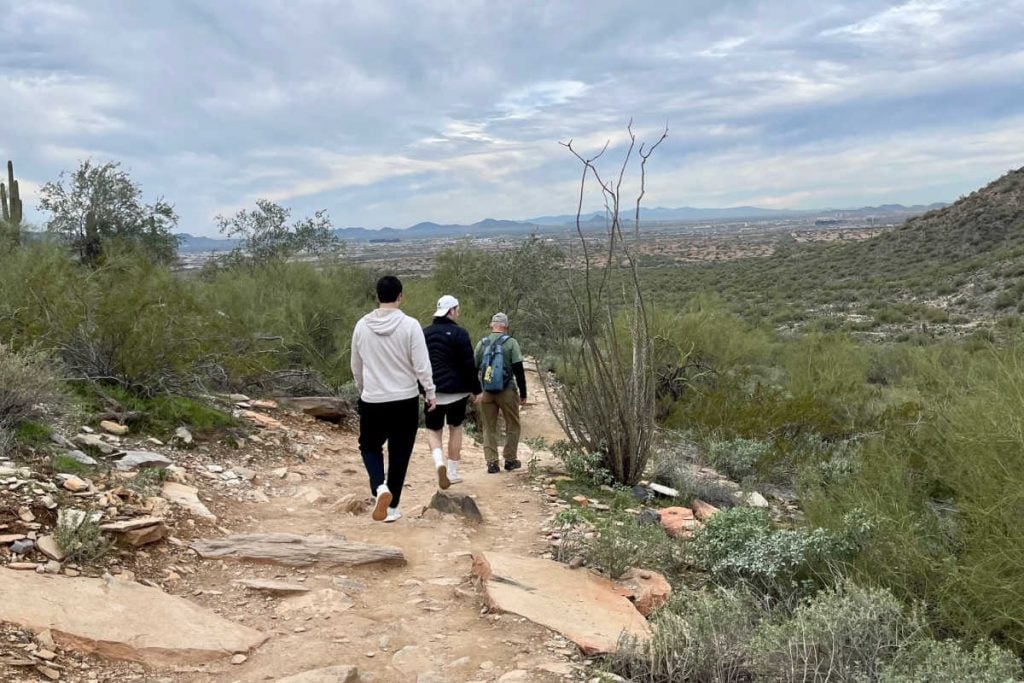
(445, 304)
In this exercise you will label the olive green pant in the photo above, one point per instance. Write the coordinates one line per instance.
(507, 402)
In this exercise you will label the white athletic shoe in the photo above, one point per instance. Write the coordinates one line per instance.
(380, 508)
(454, 478)
(394, 514)
(442, 470)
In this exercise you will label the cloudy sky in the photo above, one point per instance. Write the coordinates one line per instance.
(391, 113)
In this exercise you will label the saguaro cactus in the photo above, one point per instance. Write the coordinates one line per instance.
(10, 198)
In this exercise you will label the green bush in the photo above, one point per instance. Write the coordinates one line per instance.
(737, 458)
(622, 542)
(741, 546)
(845, 634)
(587, 468)
(81, 539)
(700, 636)
(27, 383)
(928, 661)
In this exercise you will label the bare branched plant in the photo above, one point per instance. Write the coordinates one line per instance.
(605, 399)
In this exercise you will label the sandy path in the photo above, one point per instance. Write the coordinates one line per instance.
(374, 614)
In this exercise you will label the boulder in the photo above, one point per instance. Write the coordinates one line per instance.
(93, 441)
(137, 537)
(584, 607)
(647, 590)
(752, 499)
(327, 408)
(47, 545)
(261, 420)
(183, 436)
(461, 504)
(135, 460)
(352, 504)
(131, 524)
(678, 522)
(120, 620)
(187, 497)
(81, 458)
(293, 550)
(330, 674)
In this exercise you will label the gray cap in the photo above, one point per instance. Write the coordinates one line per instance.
(499, 319)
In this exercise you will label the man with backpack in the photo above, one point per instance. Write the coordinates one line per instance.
(451, 357)
(389, 364)
(500, 363)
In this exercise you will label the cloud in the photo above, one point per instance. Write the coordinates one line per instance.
(394, 113)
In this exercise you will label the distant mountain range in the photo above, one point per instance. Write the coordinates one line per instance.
(594, 221)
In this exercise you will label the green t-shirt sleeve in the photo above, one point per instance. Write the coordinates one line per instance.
(515, 354)
(478, 352)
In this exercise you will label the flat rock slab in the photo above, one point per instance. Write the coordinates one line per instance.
(137, 460)
(326, 408)
(584, 607)
(120, 620)
(272, 586)
(330, 674)
(293, 550)
(187, 497)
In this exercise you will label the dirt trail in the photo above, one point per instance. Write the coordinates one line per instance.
(374, 614)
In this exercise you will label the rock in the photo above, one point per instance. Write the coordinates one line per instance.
(271, 586)
(182, 435)
(701, 510)
(23, 546)
(309, 494)
(244, 473)
(49, 672)
(294, 550)
(412, 659)
(457, 504)
(75, 484)
(134, 460)
(330, 674)
(264, 404)
(581, 501)
(139, 537)
(582, 606)
(93, 441)
(351, 503)
(130, 524)
(11, 538)
(666, 491)
(264, 421)
(120, 620)
(648, 516)
(187, 497)
(325, 408)
(20, 566)
(647, 590)
(678, 522)
(111, 427)
(752, 499)
(51, 567)
(25, 515)
(81, 458)
(239, 659)
(515, 676)
(238, 398)
(47, 545)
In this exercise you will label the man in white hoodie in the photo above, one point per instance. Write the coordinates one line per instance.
(389, 356)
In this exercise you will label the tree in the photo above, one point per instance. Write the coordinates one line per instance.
(99, 207)
(606, 398)
(267, 237)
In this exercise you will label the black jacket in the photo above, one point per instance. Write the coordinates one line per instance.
(451, 357)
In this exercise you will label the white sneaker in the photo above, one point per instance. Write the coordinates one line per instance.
(394, 514)
(454, 478)
(442, 470)
(380, 508)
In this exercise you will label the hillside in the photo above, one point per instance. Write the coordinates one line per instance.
(956, 266)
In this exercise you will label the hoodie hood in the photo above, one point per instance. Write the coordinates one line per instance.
(384, 321)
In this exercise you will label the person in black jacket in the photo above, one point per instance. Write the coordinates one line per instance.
(455, 378)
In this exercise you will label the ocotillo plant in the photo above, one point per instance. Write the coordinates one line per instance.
(10, 198)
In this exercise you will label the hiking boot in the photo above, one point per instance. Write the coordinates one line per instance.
(512, 465)
(380, 508)
(492, 468)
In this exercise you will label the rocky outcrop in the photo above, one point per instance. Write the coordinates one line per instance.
(325, 408)
(647, 590)
(461, 504)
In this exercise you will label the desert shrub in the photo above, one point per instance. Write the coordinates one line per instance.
(587, 468)
(159, 415)
(61, 462)
(741, 546)
(572, 528)
(927, 660)
(699, 636)
(80, 538)
(622, 541)
(27, 382)
(736, 458)
(32, 433)
(842, 634)
(147, 481)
